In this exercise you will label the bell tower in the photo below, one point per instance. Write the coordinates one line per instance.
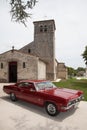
(44, 42)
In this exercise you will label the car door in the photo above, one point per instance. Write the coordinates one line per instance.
(19, 89)
(35, 96)
(28, 92)
(32, 95)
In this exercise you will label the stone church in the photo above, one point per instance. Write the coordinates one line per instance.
(35, 60)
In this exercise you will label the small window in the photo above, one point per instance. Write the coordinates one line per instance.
(45, 28)
(41, 28)
(29, 50)
(24, 66)
(1, 65)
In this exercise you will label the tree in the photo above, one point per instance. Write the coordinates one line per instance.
(84, 55)
(20, 10)
(71, 71)
(75, 72)
(80, 71)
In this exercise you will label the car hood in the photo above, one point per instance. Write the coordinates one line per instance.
(63, 93)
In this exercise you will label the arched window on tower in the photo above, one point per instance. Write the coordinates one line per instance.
(45, 28)
(41, 28)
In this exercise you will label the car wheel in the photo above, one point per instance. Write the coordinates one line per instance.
(51, 109)
(13, 97)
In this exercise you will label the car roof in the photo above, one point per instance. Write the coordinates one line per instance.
(33, 81)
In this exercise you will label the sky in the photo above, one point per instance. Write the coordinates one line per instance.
(71, 28)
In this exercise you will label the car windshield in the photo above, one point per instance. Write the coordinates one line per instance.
(44, 85)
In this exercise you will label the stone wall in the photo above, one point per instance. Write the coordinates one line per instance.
(41, 70)
(62, 71)
(27, 72)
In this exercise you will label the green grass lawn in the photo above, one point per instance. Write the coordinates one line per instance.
(74, 84)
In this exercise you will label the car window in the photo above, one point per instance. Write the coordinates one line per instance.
(26, 85)
(20, 84)
(45, 85)
(31, 86)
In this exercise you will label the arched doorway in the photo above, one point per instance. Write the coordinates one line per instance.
(13, 71)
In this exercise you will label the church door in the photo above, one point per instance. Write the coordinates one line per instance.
(12, 71)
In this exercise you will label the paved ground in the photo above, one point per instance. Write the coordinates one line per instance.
(24, 116)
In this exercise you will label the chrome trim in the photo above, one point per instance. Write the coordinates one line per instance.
(73, 103)
(68, 107)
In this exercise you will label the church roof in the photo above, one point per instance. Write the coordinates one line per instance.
(26, 45)
(15, 50)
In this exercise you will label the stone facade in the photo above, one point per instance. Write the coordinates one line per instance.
(61, 71)
(35, 60)
(27, 66)
(41, 70)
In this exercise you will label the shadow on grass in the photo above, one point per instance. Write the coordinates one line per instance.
(39, 110)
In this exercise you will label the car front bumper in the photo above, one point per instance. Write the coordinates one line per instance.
(73, 103)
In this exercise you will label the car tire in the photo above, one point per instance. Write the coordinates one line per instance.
(13, 97)
(51, 109)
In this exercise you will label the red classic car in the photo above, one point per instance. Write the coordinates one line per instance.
(45, 94)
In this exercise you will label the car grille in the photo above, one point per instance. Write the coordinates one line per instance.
(72, 102)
